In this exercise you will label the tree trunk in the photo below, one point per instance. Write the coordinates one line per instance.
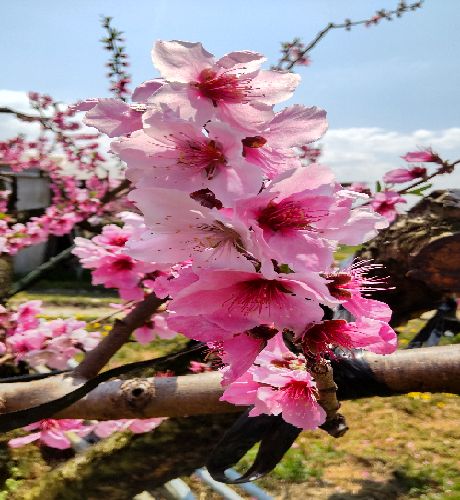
(421, 255)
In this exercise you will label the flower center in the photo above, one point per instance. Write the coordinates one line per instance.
(224, 87)
(118, 241)
(255, 295)
(123, 264)
(202, 155)
(337, 285)
(285, 215)
(297, 389)
(48, 424)
(318, 338)
(218, 235)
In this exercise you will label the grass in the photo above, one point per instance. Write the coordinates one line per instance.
(403, 447)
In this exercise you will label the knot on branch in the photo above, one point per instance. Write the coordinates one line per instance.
(335, 424)
(137, 393)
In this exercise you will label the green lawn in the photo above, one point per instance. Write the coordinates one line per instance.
(403, 447)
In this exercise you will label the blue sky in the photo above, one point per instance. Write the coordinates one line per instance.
(399, 77)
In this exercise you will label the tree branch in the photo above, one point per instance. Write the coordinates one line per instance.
(435, 369)
(287, 61)
(96, 359)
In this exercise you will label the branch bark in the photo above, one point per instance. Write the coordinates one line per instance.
(420, 252)
(435, 369)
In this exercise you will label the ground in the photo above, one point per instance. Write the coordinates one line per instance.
(397, 448)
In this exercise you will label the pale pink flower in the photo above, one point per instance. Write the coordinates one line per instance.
(179, 154)
(272, 149)
(233, 87)
(179, 228)
(113, 117)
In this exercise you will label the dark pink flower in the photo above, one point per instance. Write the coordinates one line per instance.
(384, 203)
(404, 174)
(421, 156)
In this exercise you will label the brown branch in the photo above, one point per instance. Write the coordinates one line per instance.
(435, 369)
(23, 116)
(347, 25)
(335, 424)
(96, 359)
(446, 168)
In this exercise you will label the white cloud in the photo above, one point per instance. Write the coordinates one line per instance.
(10, 126)
(365, 154)
(355, 154)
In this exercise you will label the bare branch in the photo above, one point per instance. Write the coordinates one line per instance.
(435, 369)
(288, 60)
(96, 359)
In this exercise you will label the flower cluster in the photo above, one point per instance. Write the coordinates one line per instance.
(247, 232)
(25, 336)
(384, 201)
(79, 184)
(63, 433)
(112, 267)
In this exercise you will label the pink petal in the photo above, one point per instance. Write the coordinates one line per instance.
(181, 61)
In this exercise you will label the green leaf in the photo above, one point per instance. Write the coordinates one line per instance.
(378, 187)
(419, 191)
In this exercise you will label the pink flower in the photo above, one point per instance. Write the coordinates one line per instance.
(294, 396)
(302, 215)
(239, 352)
(421, 156)
(278, 383)
(179, 228)
(272, 149)
(404, 174)
(52, 433)
(197, 367)
(238, 301)
(113, 117)
(351, 284)
(157, 327)
(319, 339)
(232, 87)
(179, 154)
(106, 428)
(384, 203)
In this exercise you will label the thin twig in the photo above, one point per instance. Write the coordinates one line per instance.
(302, 51)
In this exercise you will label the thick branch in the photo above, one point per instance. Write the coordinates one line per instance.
(96, 359)
(435, 369)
